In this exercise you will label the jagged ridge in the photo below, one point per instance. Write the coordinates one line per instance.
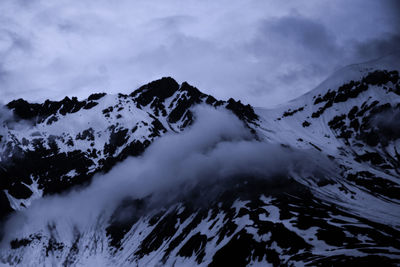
(351, 219)
(54, 162)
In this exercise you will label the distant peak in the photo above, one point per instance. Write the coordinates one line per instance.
(162, 88)
(191, 89)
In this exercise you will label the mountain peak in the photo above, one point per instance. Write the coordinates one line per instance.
(39, 112)
(345, 133)
(162, 89)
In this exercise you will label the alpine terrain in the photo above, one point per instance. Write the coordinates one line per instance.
(170, 176)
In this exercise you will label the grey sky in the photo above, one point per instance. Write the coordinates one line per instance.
(263, 52)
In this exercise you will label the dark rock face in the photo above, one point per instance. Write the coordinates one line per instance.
(156, 92)
(160, 89)
(117, 139)
(238, 221)
(126, 215)
(23, 109)
(375, 185)
(96, 96)
(369, 129)
(38, 113)
(292, 112)
(306, 124)
(191, 97)
(354, 88)
(5, 207)
(278, 221)
(43, 160)
(86, 135)
(373, 125)
(45, 164)
(244, 112)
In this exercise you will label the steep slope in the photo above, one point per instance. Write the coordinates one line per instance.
(336, 203)
(354, 123)
(63, 144)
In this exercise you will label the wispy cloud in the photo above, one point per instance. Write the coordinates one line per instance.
(217, 148)
(262, 52)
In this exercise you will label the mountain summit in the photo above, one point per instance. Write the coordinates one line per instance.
(72, 140)
(322, 184)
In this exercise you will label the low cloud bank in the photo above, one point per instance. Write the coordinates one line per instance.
(218, 146)
(5, 115)
(9, 121)
(387, 124)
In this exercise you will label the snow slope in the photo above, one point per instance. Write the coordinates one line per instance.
(347, 211)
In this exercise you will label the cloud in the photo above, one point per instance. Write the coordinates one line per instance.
(386, 125)
(304, 51)
(9, 121)
(296, 30)
(217, 148)
(6, 116)
(378, 47)
(393, 8)
(262, 52)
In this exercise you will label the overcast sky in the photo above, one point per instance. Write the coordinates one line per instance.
(263, 52)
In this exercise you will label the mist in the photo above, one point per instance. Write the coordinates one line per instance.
(387, 123)
(8, 120)
(272, 51)
(3, 117)
(216, 148)
(386, 126)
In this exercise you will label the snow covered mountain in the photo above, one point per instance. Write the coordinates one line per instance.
(62, 144)
(313, 182)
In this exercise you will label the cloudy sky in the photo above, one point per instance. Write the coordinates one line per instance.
(263, 52)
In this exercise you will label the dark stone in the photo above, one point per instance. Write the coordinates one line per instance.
(96, 96)
(87, 134)
(352, 112)
(194, 246)
(117, 139)
(243, 112)
(23, 109)
(306, 124)
(162, 89)
(19, 190)
(337, 122)
(123, 218)
(193, 96)
(292, 112)
(372, 157)
(90, 104)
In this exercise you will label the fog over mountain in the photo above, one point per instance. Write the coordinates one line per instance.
(216, 148)
(204, 133)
